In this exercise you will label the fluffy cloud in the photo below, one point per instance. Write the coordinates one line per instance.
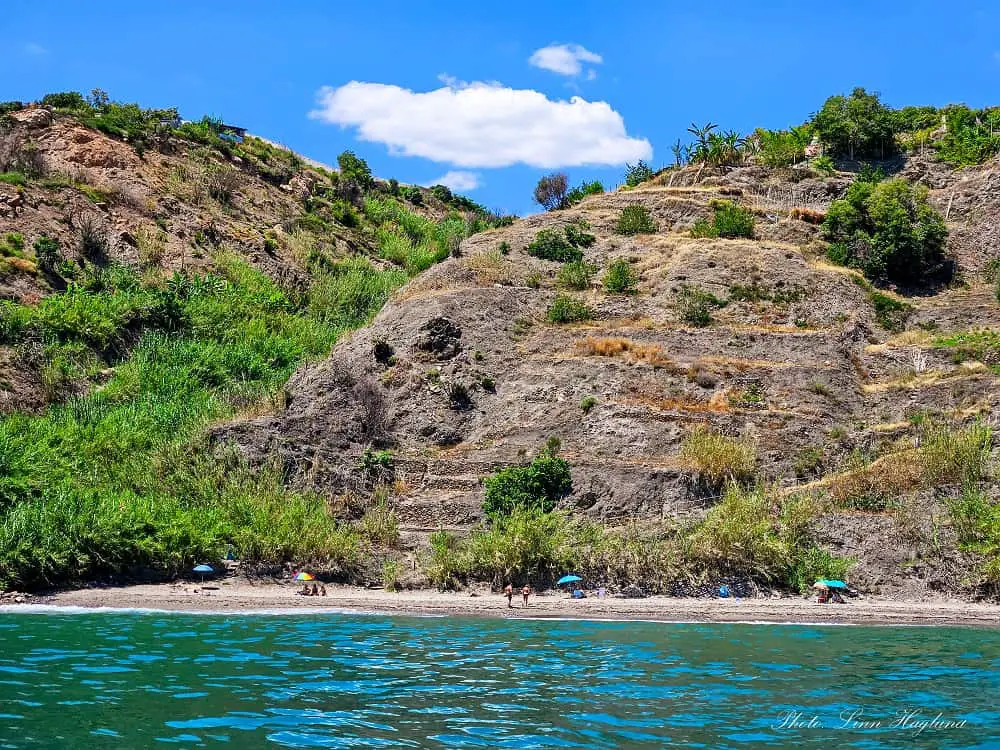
(457, 180)
(482, 125)
(34, 49)
(565, 59)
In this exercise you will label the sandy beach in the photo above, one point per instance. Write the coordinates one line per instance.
(241, 595)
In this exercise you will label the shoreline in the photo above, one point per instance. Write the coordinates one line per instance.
(241, 596)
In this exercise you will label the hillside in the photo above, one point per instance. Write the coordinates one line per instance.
(798, 365)
(211, 345)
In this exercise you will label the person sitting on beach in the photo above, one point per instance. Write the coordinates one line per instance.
(305, 590)
(836, 598)
(315, 591)
(322, 590)
(524, 592)
(509, 593)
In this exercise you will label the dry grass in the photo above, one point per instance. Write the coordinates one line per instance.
(490, 267)
(808, 215)
(613, 347)
(945, 456)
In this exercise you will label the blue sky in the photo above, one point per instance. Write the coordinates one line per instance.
(450, 87)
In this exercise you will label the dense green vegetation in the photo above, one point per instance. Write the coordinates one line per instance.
(563, 247)
(120, 479)
(540, 484)
(635, 219)
(887, 230)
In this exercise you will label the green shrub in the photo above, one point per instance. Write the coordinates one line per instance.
(577, 235)
(888, 230)
(13, 178)
(47, 253)
(355, 168)
(816, 563)
(637, 174)
(588, 403)
(782, 148)
(890, 312)
(729, 220)
(718, 458)
(352, 292)
(741, 535)
(576, 275)
(566, 309)
(824, 165)
(447, 563)
(635, 219)
(976, 520)
(695, 305)
(539, 485)
(551, 244)
(527, 544)
(620, 278)
(583, 190)
(65, 100)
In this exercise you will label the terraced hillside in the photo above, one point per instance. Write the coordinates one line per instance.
(832, 383)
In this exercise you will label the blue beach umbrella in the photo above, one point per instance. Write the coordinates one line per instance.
(568, 579)
(836, 584)
(203, 570)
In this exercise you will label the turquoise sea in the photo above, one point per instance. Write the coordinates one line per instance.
(148, 679)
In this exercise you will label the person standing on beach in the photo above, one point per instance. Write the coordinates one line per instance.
(524, 592)
(509, 593)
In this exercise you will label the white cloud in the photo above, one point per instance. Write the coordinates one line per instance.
(565, 59)
(482, 125)
(37, 50)
(457, 180)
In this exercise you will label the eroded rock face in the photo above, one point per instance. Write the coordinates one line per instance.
(34, 117)
(795, 361)
(441, 337)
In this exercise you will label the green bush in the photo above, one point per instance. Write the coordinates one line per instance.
(566, 309)
(527, 544)
(695, 305)
(887, 230)
(620, 278)
(551, 244)
(636, 174)
(355, 168)
(635, 219)
(816, 563)
(576, 275)
(890, 312)
(13, 178)
(577, 234)
(587, 403)
(65, 100)
(352, 292)
(583, 190)
(729, 220)
(539, 485)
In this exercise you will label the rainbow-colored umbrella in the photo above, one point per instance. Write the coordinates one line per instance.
(303, 576)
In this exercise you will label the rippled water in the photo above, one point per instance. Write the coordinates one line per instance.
(133, 680)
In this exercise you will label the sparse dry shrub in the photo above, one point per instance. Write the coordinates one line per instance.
(373, 408)
(152, 243)
(379, 523)
(491, 267)
(946, 456)
(808, 215)
(652, 354)
(122, 195)
(221, 182)
(718, 458)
